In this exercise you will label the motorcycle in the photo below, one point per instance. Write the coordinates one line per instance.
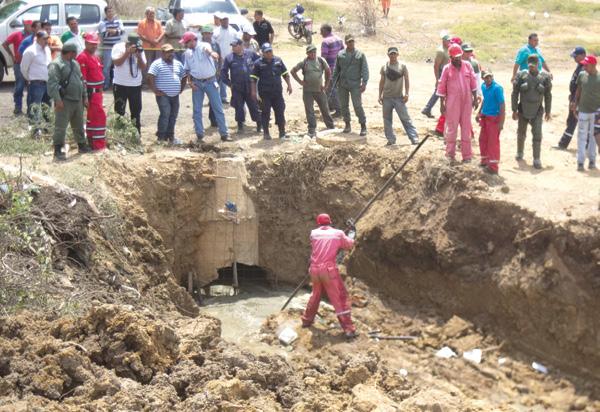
(299, 26)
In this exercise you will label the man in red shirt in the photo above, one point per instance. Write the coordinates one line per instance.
(91, 69)
(326, 241)
(15, 39)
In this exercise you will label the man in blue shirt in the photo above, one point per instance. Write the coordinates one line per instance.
(36, 26)
(491, 118)
(530, 48)
(240, 63)
(166, 78)
(267, 72)
(201, 69)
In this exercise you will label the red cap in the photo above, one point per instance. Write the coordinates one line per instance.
(590, 59)
(91, 38)
(323, 219)
(455, 50)
(29, 22)
(187, 36)
(456, 40)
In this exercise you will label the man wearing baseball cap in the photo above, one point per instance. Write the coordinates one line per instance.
(352, 74)
(313, 89)
(93, 77)
(267, 72)
(207, 36)
(393, 96)
(249, 43)
(15, 39)
(457, 89)
(587, 107)
(578, 54)
(200, 64)
(66, 87)
(441, 59)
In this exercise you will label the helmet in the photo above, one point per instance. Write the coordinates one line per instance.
(323, 219)
(455, 50)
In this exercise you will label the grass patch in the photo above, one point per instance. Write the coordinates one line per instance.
(15, 139)
(563, 7)
(494, 38)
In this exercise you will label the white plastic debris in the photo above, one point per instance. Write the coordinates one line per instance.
(473, 355)
(403, 372)
(502, 361)
(546, 15)
(539, 367)
(73, 203)
(288, 335)
(446, 353)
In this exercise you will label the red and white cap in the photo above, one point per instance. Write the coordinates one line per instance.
(455, 50)
(590, 59)
(188, 36)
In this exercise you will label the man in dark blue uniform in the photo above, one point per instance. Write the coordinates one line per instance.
(268, 71)
(240, 63)
(578, 54)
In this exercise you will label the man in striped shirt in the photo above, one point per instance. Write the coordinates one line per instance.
(330, 48)
(91, 70)
(166, 78)
(110, 29)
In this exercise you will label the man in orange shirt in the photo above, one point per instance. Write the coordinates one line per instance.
(53, 41)
(151, 33)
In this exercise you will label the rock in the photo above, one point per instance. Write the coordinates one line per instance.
(505, 189)
(456, 327)
(432, 400)
(231, 390)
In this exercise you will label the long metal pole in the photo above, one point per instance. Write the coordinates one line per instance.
(364, 210)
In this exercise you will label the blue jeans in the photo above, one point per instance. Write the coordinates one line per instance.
(107, 62)
(223, 91)
(208, 87)
(585, 138)
(19, 87)
(169, 109)
(36, 95)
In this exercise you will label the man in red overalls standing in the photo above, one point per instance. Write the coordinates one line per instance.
(326, 241)
(91, 69)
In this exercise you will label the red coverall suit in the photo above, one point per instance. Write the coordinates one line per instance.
(91, 69)
(325, 276)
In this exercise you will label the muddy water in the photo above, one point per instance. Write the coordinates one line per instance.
(242, 315)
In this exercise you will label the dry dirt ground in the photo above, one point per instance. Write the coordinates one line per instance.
(508, 264)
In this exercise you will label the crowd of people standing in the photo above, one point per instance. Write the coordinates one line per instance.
(219, 62)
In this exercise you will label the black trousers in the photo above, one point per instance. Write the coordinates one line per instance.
(133, 95)
(275, 101)
(568, 134)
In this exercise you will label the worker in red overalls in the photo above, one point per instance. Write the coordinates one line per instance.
(326, 241)
(91, 69)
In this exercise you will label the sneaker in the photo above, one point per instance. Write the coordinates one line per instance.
(592, 166)
(537, 164)
(282, 135)
(199, 138)
(363, 129)
(226, 138)
(580, 167)
(427, 113)
(351, 334)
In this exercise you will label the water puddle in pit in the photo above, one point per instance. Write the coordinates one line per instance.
(242, 315)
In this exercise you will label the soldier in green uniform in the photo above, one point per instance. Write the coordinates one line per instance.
(531, 96)
(351, 74)
(67, 90)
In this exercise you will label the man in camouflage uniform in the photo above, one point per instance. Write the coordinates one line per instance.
(531, 97)
(67, 90)
(352, 74)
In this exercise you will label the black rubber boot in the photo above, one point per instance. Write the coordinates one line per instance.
(84, 148)
(59, 156)
(363, 129)
(347, 129)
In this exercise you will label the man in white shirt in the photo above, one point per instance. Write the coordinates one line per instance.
(130, 63)
(201, 68)
(224, 35)
(34, 67)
